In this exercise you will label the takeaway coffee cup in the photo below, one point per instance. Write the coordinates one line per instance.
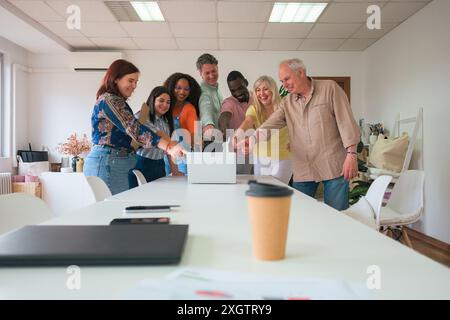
(269, 207)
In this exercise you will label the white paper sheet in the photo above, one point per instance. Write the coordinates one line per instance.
(201, 284)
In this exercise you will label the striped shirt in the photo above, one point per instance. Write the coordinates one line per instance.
(159, 124)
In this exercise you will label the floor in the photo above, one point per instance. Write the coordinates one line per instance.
(439, 253)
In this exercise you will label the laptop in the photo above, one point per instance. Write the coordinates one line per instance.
(93, 245)
(211, 167)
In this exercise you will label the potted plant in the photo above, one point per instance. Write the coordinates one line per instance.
(74, 147)
(283, 92)
(375, 130)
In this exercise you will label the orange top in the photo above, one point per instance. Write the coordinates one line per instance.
(187, 118)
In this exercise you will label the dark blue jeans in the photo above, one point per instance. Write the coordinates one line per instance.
(335, 191)
(151, 169)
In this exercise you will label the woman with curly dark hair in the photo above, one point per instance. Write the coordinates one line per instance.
(185, 91)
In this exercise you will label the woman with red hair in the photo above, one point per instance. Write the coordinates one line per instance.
(114, 128)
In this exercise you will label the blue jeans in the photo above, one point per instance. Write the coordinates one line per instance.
(335, 191)
(110, 165)
(151, 169)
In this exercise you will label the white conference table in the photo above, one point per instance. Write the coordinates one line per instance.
(322, 243)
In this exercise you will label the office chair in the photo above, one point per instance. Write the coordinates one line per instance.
(20, 209)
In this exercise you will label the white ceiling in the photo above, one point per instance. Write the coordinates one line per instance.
(219, 25)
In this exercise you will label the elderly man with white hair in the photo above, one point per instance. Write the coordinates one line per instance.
(322, 133)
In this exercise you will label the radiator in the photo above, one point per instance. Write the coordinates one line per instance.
(5, 183)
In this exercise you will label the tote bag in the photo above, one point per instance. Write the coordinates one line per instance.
(389, 154)
(32, 168)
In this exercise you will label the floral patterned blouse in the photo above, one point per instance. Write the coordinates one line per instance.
(114, 125)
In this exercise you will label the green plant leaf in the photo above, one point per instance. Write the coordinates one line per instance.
(283, 92)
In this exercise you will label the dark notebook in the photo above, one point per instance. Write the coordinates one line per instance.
(93, 245)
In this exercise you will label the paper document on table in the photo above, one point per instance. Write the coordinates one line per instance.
(200, 284)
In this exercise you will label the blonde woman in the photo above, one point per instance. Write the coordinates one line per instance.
(271, 157)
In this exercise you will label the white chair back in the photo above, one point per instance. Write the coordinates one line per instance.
(405, 125)
(375, 194)
(363, 212)
(140, 177)
(407, 195)
(367, 209)
(66, 192)
(99, 187)
(20, 209)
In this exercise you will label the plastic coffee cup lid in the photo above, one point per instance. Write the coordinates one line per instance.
(258, 189)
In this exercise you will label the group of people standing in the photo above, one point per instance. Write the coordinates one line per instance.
(315, 140)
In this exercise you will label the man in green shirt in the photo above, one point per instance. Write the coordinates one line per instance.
(211, 97)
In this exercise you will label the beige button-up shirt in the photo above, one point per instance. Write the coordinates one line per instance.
(320, 128)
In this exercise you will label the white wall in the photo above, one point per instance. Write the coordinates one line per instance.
(63, 100)
(15, 59)
(410, 68)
